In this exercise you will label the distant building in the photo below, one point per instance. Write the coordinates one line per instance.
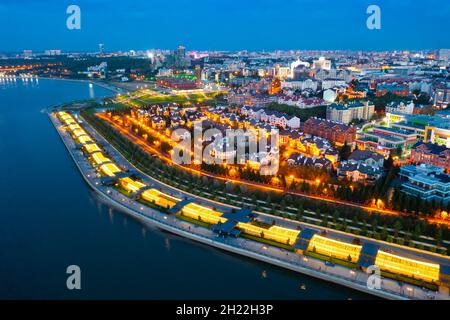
(351, 93)
(296, 64)
(334, 132)
(280, 72)
(404, 107)
(275, 86)
(422, 86)
(345, 113)
(322, 63)
(52, 52)
(427, 182)
(358, 172)
(177, 83)
(279, 119)
(385, 140)
(442, 96)
(432, 129)
(300, 84)
(392, 87)
(298, 159)
(180, 60)
(300, 102)
(331, 83)
(444, 55)
(341, 75)
(27, 54)
(367, 157)
(432, 154)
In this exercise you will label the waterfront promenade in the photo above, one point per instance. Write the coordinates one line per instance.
(351, 278)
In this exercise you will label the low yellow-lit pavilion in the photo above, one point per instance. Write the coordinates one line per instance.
(408, 267)
(334, 248)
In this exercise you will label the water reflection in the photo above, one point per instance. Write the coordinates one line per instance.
(91, 91)
(111, 215)
(167, 244)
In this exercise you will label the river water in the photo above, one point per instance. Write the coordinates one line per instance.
(50, 219)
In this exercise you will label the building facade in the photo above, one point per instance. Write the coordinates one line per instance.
(346, 113)
(432, 154)
(427, 182)
(332, 131)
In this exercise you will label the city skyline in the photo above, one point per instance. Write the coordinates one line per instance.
(224, 26)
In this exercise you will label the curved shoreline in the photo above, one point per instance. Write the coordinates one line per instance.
(106, 86)
(183, 233)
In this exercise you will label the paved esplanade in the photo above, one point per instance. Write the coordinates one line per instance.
(294, 261)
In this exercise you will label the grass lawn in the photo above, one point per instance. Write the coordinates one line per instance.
(267, 241)
(116, 106)
(149, 99)
(343, 263)
(193, 221)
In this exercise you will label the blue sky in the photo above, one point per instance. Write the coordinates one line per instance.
(224, 24)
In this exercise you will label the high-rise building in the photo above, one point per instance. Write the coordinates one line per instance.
(52, 52)
(444, 55)
(27, 53)
(179, 58)
(101, 48)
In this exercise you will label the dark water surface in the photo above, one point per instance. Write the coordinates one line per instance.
(49, 219)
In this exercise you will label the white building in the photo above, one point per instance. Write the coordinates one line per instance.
(330, 83)
(322, 63)
(301, 84)
(297, 63)
(278, 119)
(422, 86)
(329, 95)
(444, 55)
(345, 113)
(404, 107)
(280, 72)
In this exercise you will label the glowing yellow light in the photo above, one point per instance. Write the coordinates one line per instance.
(334, 248)
(159, 198)
(275, 233)
(408, 267)
(110, 169)
(131, 185)
(99, 158)
(92, 147)
(198, 212)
